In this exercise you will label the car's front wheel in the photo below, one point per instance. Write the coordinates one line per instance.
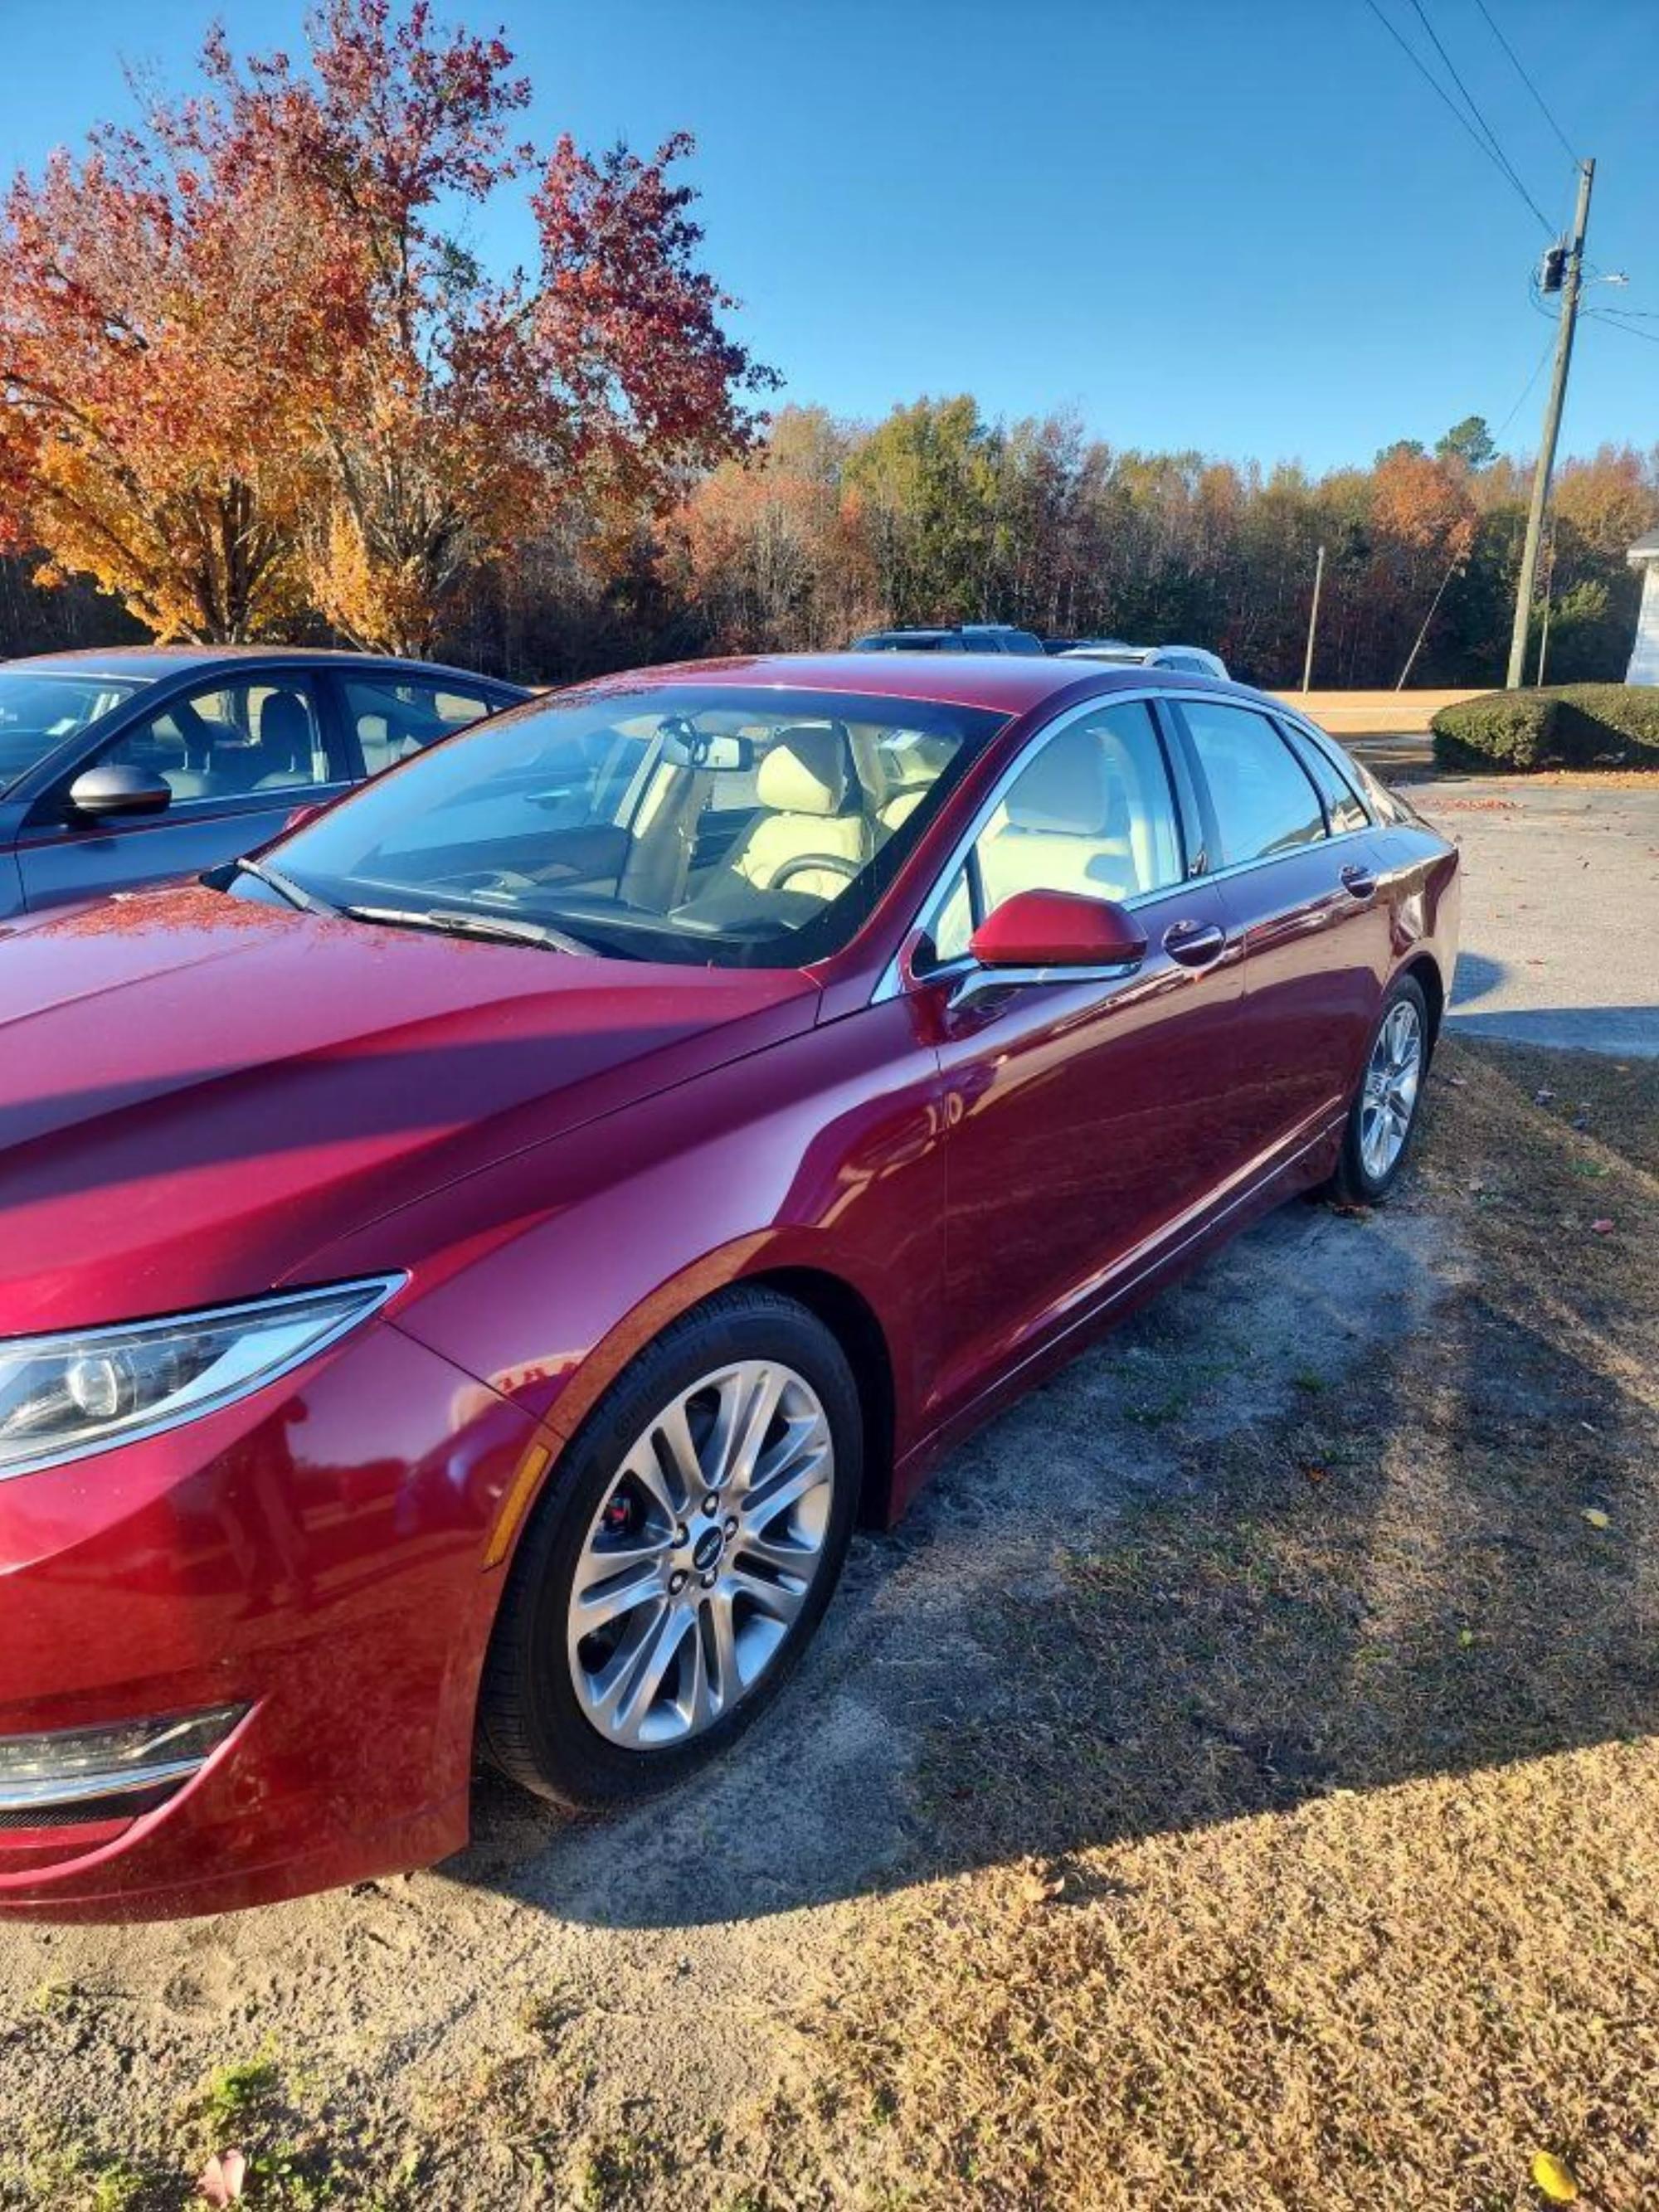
(681, 1556)
(1385, 1106)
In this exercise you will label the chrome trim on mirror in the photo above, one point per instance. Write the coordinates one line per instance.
(976, 979)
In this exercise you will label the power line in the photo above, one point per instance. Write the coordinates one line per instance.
(1612, 315)
(1525, 389)
(1521, 72)
(1507, 165)
(1441, 93)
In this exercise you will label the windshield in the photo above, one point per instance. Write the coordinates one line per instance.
(38, 711)
(727, 826)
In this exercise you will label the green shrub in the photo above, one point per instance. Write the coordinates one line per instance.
(1571, 725)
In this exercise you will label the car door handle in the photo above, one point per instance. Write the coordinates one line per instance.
(1359, 882)
(1194, 944)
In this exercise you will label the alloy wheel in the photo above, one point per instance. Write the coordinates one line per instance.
(1389, 1097)
(702, 1554)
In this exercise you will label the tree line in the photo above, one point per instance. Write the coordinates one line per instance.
(936, 515)
(253, 384)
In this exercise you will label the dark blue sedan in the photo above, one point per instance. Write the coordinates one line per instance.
(126, 767)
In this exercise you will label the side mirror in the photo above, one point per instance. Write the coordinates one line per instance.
(114, 789)
(1058, 929)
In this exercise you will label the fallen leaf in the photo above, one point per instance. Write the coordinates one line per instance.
(1316, 1474)
(1602, 1228)
(1038, 1887)
(1555, 2178)
(1596, 1516)
(222, 2179)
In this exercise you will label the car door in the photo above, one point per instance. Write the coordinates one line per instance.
(1082, 1128)
(239, 754)
(1298, 877)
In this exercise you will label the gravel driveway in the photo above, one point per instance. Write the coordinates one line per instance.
(1560, 909)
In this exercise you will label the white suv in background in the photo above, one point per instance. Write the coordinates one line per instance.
(1193, 659)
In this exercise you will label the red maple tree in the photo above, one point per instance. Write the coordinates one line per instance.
(376, 413)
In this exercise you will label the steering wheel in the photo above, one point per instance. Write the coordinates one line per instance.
(836, 863)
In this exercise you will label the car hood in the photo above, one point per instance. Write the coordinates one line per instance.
(198, 1092)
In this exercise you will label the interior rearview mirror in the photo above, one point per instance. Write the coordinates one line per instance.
(727, 755)
(1058, 929)
(117, 789)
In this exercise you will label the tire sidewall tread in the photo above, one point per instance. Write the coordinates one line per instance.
(1351, 1184)
(531, 1725)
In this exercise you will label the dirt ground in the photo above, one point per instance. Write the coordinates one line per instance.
(1235, 1785)
(1348, 715)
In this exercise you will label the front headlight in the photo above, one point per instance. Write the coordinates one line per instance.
(62, 1397)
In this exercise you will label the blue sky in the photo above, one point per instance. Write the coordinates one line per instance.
(1246, 226)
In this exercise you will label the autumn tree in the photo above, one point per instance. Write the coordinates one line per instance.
(161, 358)
(280, 378)
(467, 404)
(774, 550)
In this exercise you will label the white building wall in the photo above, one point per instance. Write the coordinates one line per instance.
(1645, 659)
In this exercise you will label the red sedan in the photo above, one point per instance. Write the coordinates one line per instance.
(464, 1272)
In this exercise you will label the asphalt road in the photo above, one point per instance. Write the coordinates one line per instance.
(1560, 942)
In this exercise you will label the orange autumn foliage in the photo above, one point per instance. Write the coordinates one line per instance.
(245, 374)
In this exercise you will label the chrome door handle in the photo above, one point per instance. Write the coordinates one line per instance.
(1359, 882)
(1194, 944)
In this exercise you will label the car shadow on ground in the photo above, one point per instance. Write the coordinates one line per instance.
(1312, 1523)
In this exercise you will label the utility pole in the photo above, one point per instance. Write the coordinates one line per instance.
(1312, 620)
(1571, 283)
(1549, 594)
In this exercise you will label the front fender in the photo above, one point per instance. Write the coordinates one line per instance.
(545, 1274)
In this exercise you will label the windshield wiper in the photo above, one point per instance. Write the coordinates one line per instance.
(284, 887)
(449, 923)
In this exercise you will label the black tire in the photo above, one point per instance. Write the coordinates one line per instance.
(531, 1722)
(1353, 1183)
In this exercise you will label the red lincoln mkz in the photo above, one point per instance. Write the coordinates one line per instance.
(463, 1274)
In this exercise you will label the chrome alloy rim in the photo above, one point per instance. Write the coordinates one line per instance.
(702, 1554)
(1390, 1095)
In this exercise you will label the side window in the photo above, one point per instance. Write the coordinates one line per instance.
(230, 741)
(1091, 812)
(393, 719)
(1264, 802)
(1342, 803)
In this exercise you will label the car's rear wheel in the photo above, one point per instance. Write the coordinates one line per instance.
(681, 1557)
(1385, 1106)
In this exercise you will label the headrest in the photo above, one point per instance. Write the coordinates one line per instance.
(285, 728)
(806, 770)
(1065, 790)
(912, 760)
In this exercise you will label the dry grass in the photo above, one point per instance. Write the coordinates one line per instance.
(1300, 1847)
(1347, 1769)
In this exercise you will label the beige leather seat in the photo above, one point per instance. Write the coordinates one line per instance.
(1064, 827)
(812, 810)
(923, 761)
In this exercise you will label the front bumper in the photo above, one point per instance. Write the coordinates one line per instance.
(308, 1563)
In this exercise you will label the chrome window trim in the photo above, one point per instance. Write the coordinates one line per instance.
(1327, 745)
(893, 984)
(1271, 860)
